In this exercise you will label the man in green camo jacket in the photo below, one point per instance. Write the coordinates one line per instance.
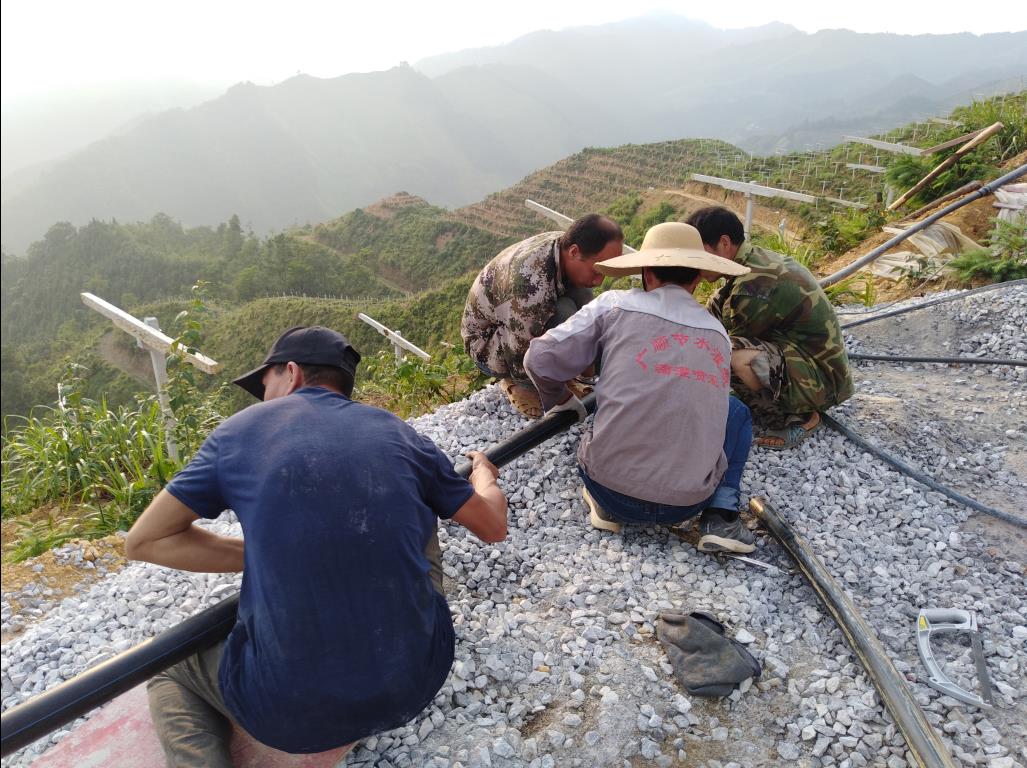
(788, 360)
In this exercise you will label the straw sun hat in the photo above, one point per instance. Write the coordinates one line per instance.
(671, 244)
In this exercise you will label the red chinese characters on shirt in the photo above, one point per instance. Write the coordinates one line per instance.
(720, 377)
(638, 359)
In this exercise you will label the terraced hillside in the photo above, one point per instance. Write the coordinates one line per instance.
(409, 263)
(592, 180)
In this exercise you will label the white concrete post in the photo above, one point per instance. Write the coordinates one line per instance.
(160, 376)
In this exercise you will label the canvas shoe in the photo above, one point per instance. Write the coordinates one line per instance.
(596, 514)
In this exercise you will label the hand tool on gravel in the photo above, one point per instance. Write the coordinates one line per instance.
(941, 620)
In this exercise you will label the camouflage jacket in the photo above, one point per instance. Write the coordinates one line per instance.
(509, 304)
(781, 302)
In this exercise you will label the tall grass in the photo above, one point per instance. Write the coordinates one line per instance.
(93, 469)
(412, 386)
(852, 289)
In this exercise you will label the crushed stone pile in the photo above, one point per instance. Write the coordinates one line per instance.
(557, 663)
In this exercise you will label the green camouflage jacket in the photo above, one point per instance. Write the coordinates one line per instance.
(781, 302)
(509, 304)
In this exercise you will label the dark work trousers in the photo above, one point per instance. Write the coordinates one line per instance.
(188, 710)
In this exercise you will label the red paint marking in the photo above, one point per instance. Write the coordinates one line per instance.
(699, 375)
(683, 372)
(718, 358)
(664, 370)
(680, 338)
(702, 343)
(638, 359)
(121, 735)
(660, 343)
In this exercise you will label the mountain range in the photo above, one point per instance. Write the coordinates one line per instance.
(455, 127)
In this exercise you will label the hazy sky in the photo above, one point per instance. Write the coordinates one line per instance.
(59, 45)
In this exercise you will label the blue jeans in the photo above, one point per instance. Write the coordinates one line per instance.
(737, 441)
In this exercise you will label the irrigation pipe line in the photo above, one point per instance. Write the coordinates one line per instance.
(923, 741)
(51, 709)
(933, 302)
(959, 360)
(919, 476)
(862, 261)
(45, 713)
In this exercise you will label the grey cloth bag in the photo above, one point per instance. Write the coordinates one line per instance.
(705, 661)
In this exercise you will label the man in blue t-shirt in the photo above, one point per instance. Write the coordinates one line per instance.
(343, 629)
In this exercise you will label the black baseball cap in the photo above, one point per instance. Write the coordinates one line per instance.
(307, 345)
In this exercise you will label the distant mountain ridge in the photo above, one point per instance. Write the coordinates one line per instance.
(462, 125)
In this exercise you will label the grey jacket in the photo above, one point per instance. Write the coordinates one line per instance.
(662, 396)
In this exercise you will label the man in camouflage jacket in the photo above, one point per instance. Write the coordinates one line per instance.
(530, 287)
(788, 358)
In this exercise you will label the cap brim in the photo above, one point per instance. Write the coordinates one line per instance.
(253, 382)
(633, 263)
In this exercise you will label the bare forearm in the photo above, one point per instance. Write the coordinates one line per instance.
(484, 514)
(194, 549)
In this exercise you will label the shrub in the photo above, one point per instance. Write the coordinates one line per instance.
(96, 468)
(1005, 258)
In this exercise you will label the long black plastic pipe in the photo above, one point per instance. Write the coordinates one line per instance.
(917, 475)
(934, 302)
(954, 360)
(921, 739)
(35, 718)
(879, 251)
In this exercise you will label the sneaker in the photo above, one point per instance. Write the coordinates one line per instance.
(722, 531)
(599, 518)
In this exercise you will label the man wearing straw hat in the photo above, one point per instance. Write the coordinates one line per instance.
(667, 442)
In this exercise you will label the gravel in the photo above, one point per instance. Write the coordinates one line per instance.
(556, 657)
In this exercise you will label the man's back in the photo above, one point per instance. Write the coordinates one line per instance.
(510, 303)
(661, 400)
(339, 629)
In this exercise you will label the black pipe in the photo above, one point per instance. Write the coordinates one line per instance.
(532, 435)
(921, 739)
(958, 360)
(920, 477)
(933, 302)
(51, 709)
(45, 713)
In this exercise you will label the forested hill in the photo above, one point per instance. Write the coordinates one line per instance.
(402, 260)
(308, 149)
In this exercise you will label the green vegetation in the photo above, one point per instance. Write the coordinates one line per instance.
(94, 467)
(851, 289)
(413, 245)
(1005, 258)
(979, 164)
(413, 386)
(841, 231)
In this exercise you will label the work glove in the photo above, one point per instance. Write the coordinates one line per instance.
(570, 404)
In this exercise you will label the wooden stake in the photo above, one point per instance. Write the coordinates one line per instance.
(952, 142)
(981, 137)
